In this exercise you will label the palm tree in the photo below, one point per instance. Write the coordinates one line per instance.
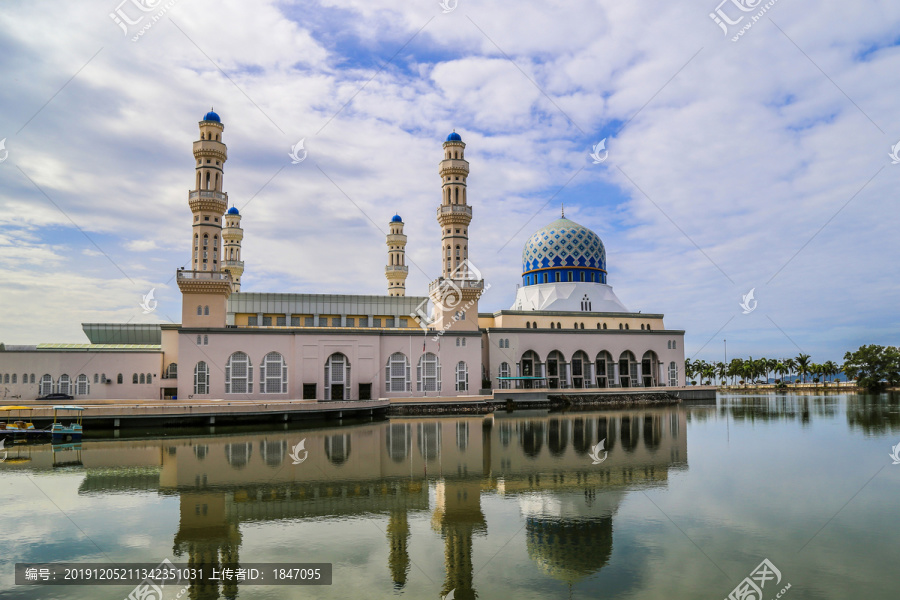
(780, 369)
(803, 365)
(791, 364)
(830, 369)
(721, 370)
(708, 372)
(770, 366)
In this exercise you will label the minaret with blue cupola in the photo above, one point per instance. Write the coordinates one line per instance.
(207, 285)
(232, 236)
(455, 292)
(396, 270)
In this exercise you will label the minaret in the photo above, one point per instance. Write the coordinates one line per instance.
(396, 270)
(455, 293)
(206, 287)
(232, 235)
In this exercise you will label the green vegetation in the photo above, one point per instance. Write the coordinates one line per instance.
(757, 370)
(873, 366)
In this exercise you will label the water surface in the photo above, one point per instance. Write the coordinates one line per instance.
(683, 503)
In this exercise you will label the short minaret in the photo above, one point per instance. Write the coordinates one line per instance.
(232, 235)
(206, 286)
(396, 270)
(456, 291)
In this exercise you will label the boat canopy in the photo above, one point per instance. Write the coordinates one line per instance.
(16, 408)
(68, 407)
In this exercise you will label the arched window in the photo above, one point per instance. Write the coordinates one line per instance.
(119, 378)
(14, 377)
(201, 378)
(399, 441)
(504, 372)
(464, 341)
(337, 377)
(96, 378)
(142, 379)
(82, 385)
(103, 378)
(206, 340)
(534, 325)
(199, 340)
(199, 311)
(552, 325)
(462, 435)
(648, 326)
(528, 325)
(273, 374)
(65, 384)
(428, 373)
(46, 385)
(674, 346)
(32, 378)
(206, 310)
(462, 377)
(238, 374)
(172, 370)
(582, 326)
(673, 374)
(396, 373)
(558, 326)
(621, 326)
(457, 341)
(627, 326)
(604, 326)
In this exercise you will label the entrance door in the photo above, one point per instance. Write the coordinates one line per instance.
(528, 371)
(624, 377)
(553, 372)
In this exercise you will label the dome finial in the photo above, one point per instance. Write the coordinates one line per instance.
(562, 207)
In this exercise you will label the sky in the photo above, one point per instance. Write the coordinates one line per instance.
(760, 161)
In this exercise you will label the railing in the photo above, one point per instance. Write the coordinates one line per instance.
(208, 194)
(455, 208)
(470, 284)
(210, 275)
(234, 263)
(403, 268)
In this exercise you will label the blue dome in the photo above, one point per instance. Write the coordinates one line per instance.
(563, 251)
(396, 219)
(454, 137)
(233, 211)
(211, 116)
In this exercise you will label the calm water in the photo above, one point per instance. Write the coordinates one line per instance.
(686, 504)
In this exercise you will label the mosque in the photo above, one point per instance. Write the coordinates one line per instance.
(566, 328)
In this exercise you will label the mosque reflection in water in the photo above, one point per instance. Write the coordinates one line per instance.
(540, 460)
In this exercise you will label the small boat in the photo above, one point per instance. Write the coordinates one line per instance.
(60, 432)
(16, 425)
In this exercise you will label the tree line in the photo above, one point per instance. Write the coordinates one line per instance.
(871, 366)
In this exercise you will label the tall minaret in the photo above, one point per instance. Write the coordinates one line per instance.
(232, 234)
(206, 286)
(455, 293)
(396, 270)
(208, 201)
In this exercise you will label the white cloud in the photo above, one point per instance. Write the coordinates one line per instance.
(749, 149)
